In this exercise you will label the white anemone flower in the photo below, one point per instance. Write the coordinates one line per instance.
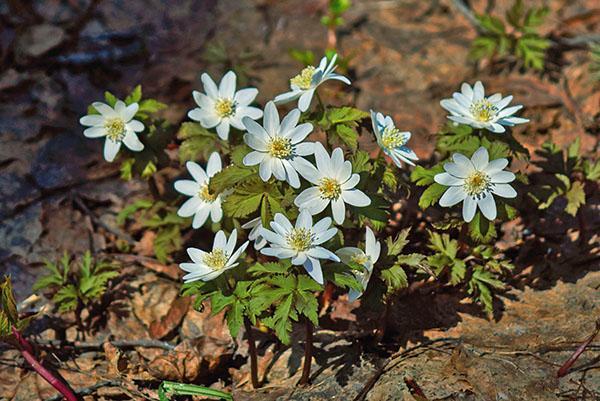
(471, 107)
(207, 266)
(202, 202)
(333, 183)
(474, 181)
(301, 243)
(278, 146)
(303, 85)
(366, 259)
(255, 234)
(391, 140)
(223, 106)
(116, 124)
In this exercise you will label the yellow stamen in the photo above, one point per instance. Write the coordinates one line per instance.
(280, 147)
(115, 129)
(300, 239)
(225, 108)
(304, 79)
(392, 138)
(477, 183)
(216, 260)
(483, 110)
(206, 195)
(330, 188)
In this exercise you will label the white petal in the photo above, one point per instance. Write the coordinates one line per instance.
(283, 222)
(287, 97)
(504, 190)
(189, 207)
(197, 172)
(478, 91)
(253, 158)
(304, 149)
(255, 142)
(92, 120)
(292, 175)
(200, 216)
(264, 170)
(466, 90)
(323, 160)
(338, 209)
(129, 112)
(325, 236)
(304, 220)
(197, 255)
(220, 241)
(348, 253)
(305, 99)
(277, 168)
(255, 128)
(227, 85)
(488, 206)
(187, 187)
(502, 177)
(271, 119)
(289, 122)
(133, 142)
(306, 197)
(322, 253)
(447, 179)
(203, 101)
(111, 149)
(223, 130)
(94, 132)
(469, 208)
(496, 165)
(356, 198)
(135, 125)
(216, 212)
(509, 111)
(105, 110)
(244, 97)
(299, 133)
(452, 196)
(459, 170)
(231, 242)
(214, 164)
(480, 158)
(313, 268)
(209, 86)
(372, 246)
(503, 103)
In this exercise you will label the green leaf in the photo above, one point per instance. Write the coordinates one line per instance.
(396, 245)
(337, 115)
(348, 135)
(66, 298)
(481, 229)
(270, 267)
(483, 47)
(361, 162)
(235, 318)
(281, 320)
(395, 278)
(422, 176)
(8, 306)
(135, 96)
(242, 205)
(198, 143)
(230, 177)
(492, 24)
(149, 170)
(110, 98)
(431, 195)
(126, 169)
(337, 7)
(149, 106)
(575, 198)
(129, 210)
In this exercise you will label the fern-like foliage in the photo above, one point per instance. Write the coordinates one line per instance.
(516, 35)
(76, 284)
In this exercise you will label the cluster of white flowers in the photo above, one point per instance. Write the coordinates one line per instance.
(280, 149)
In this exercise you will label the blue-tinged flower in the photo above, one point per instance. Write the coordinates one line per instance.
(366, 259)
(391, 140)
(474, 182)
(207, 266)
(471, 107)
(303, 85)
(301, 242)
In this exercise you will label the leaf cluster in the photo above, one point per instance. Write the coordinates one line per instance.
(9, 316)
(160, 218)
(516, 35)
(76, 284)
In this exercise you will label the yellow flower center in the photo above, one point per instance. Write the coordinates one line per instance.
(206, 195)
(216, 260)
(225, 107)
(477, 183)
(300, 239)
(280, 147)
(330, 188)
(361, 259)
(304, 79)
(115, 129)
(392, 138)
(482, 110)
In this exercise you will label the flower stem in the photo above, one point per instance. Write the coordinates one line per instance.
(308, 347)
(321, 104)
(252, 352)
(27, 352)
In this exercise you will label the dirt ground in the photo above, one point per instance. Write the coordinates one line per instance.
(57, 194)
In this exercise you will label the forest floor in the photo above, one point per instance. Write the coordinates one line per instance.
(57, 195)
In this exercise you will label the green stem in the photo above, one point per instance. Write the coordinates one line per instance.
(321, 104)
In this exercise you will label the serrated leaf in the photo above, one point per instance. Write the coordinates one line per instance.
(110, 99)
(396, 245)
(395, 278)
(135, 96)
(281, 320)
(575, 198)
(422, 176)
(347, 135)
(481, 229)
(230, 177)
(431, 195)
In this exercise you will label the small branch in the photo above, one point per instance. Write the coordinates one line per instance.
(89, 390)
(308, 348)
(564, 369)
(81, 345)
(466, 11)
(126, 237)
(252, 352)
(27, 352)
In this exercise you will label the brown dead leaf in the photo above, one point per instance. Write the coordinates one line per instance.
(172, 319)
(181, 364)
